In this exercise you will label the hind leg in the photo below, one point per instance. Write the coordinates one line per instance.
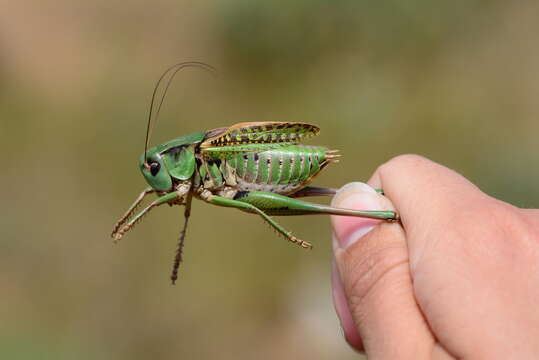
(222, 201)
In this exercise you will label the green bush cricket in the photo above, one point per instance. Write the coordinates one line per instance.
(257, 167)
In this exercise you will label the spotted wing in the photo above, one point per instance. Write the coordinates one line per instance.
(255, 136)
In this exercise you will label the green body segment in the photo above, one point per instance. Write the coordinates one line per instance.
(275, 204)
(193, 138)
(274, 168)
(274, 165)
(229, 152)
(215, 174)
(180, 162)
(175, 159)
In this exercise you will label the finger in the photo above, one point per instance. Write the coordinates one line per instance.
(450, 234)
(372, 263)
(427, 196)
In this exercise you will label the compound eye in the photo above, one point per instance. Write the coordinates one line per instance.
(154, 168)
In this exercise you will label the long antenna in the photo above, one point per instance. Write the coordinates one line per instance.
(171, 71)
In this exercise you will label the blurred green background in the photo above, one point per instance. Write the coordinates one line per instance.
(455, 81)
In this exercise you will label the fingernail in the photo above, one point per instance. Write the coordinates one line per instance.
(357, 196)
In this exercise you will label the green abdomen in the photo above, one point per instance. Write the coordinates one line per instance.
(282, 170)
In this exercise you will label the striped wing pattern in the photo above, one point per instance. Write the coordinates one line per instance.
(238, 137)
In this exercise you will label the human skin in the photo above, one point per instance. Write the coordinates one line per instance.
(458, 277)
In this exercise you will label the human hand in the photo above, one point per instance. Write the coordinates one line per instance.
(457, 278)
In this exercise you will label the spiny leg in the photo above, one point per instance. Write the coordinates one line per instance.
(313, 191)
(179, 250)
(275, 204)
(131, 209)
(222, 201)
(320, 191)
(160, 201)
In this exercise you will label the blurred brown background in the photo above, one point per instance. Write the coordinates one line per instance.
(455, 81)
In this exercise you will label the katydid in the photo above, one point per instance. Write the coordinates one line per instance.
(257, 167)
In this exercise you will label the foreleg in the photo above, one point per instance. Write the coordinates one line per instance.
(131, 210)
(171, 197)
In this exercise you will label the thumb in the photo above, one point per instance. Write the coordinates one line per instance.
(372, 274)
